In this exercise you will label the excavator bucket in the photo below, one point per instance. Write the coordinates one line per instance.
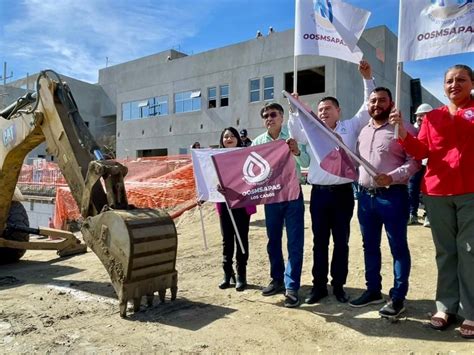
(138, 249)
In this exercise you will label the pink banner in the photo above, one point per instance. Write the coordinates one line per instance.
(257, 175)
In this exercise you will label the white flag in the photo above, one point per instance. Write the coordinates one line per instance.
(330, 28)
(205, 174)
(433, 28)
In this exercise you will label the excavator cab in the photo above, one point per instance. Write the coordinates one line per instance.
(137, 246)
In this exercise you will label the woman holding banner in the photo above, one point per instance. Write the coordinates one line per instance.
(446, 139)
(230, 138)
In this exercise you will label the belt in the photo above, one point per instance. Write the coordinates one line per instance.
(381, 190)
(333, 187)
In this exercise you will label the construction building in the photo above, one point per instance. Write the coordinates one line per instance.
(161, 104)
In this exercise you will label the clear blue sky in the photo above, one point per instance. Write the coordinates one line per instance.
(75, 37)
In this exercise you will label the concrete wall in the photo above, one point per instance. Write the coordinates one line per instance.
(39, 210)
(94, 106)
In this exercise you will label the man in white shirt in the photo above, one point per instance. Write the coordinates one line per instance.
(332, 198)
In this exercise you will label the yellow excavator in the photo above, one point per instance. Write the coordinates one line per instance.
(137, 246)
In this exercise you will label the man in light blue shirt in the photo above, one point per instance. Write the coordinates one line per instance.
(289, 213)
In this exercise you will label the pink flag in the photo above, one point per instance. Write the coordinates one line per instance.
(331, 153)
(259, 174)
(328, 152)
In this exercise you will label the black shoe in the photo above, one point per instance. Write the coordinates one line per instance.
(273, 288)
(291, 299)
(341, 295)
(241, 283)
(316, 295)
(366, 299)
(392, 309)
(225, 283)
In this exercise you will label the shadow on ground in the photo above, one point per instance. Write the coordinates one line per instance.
(412, 325)
(182, 313)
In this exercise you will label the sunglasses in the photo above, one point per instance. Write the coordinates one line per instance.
(271, 114)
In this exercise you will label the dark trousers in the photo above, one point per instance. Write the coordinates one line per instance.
(389, 208)
(331, 209)
(414, 190)
(230, 242)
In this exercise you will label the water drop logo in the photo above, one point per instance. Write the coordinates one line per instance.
(324, 7)
(255, 162)
(446, 9)
(323, 14)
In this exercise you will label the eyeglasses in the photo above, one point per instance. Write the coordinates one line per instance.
(271, 114)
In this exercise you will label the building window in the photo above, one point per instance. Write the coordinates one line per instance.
(268, 88)
(211, 97)
(224, 91)
(158, 106)
(142, 109)
(126, 111)
(310, 81)
(187, 101)
(155, 106)
(157, 152)
(135, 110)
(254, 90)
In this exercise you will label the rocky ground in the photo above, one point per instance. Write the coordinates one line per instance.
(48, 304)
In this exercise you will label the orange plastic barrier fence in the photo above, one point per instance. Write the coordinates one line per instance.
(155, 182)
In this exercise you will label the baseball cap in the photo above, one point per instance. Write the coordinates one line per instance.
(243, 133)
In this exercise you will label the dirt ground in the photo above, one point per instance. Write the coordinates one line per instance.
(48, 304)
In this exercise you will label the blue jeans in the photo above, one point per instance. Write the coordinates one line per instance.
(414, 190)
(388, 207)
(290, 214)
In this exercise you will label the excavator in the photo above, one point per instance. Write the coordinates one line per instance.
(137, 246)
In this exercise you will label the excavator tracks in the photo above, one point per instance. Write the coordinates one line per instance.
(138, 249)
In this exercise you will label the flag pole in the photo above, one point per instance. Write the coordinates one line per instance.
(397, 93)
(295, 58)
(295, 75)
(235, 229)
(398, 78)
(202, 227)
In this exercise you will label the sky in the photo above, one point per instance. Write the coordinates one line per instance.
(77, 38)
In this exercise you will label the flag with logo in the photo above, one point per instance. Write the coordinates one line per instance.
(330, 152)
(432, 28)
(329, 28)
(258, 174)
(205, 174)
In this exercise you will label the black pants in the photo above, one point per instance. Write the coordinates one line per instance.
(331, 209)
(229, 239)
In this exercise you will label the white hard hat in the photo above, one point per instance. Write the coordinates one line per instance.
(423, 108)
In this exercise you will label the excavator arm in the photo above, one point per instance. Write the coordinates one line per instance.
(136, 246)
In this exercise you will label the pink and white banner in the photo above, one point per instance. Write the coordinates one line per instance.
(329, 150)
(259, 174)
(205, 173)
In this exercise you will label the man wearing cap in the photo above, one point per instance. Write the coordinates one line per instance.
(245, 139)
(415, 181)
